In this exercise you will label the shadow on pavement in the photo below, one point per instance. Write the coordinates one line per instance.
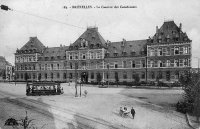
(16, 108)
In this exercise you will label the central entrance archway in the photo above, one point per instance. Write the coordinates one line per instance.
(84, 77)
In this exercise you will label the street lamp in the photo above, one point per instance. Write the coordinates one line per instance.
(198, 63)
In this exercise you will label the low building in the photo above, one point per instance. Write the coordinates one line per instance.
(5, 69)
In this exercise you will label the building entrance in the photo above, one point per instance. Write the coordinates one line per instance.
(84, 77)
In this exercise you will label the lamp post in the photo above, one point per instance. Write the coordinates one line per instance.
(198, 63)
(76, 93)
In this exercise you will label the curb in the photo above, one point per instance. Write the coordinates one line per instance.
(189, 122)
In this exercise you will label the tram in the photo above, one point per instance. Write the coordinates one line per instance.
(43, 88)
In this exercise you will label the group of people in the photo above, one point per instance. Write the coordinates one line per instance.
(124, 111)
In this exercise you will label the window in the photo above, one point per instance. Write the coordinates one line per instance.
(181, 62)
(176, 74)
(151, 63)
(143, 63)
(152, 75)
(91, 55)
(70, 56)
(92, 75)
(159, 76)
(45, 67)
(133, 64)
(83, 56)
(64, 75)
(176, 50)
(33, 67)
(52, 58)
(108, 66)
(70, 65)
(98, 55)
(133, 53)
(151, 52)
(186, 50)
(58, 57)
(92, 46)
(168, 63)
(116, 65)
(155, 63)
(51, 75)
(176, 63)
(172, 63)
(181, 50)
(143, 75)
(186, 62)
(124, 53)
(58, 75)
(51, 66)
(70, 75)
(46, 58)
(115, 54)
(116, 77)
(45, 75)
(58, 66)
(124, 64)
(167, 75)
(160, 52)
(22, 75)
(160, 63)
(124, 75)
(76, 56)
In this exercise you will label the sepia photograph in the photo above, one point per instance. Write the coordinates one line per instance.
(99, 64)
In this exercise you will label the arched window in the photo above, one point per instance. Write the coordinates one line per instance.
(58, 75)
(64, 75)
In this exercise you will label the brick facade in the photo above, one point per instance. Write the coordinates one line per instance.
(166, 56)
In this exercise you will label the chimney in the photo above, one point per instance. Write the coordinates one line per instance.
(180, 26)
(156, 29)
(60, 45)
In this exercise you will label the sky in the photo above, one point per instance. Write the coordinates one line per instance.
(31, 18)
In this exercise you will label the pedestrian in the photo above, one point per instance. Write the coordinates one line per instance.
(133, 112)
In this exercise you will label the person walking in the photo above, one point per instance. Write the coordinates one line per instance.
(133, 112)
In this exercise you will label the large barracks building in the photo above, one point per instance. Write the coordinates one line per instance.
(165, 55)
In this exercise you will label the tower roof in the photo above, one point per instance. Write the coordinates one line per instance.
(91, 37)
(169, 32)
(33, 44)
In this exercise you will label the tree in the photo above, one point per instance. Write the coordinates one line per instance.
(191, 86)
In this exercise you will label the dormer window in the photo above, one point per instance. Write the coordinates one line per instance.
(46, 58)
(115, 54)
(124, 53)
(98, 45)
(92, 46)
(133, 53)
(107, 54)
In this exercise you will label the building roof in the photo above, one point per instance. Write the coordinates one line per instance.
(3, 62)
(169, 32)
(127, 48)
(91, 38)
(33, 45)
(55, 52)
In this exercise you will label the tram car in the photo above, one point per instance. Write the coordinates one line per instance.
(43, 88)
